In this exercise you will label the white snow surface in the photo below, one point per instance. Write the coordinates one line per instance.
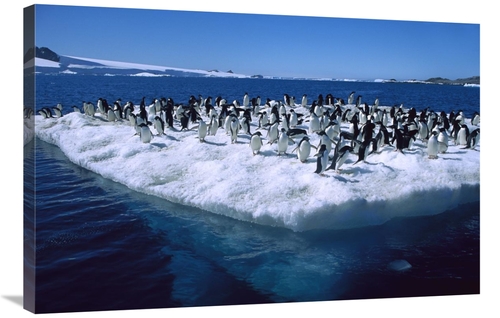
(225, 178)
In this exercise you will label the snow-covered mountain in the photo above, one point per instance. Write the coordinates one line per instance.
(61, 64)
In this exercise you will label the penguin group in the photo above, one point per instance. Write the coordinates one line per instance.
(328, 130)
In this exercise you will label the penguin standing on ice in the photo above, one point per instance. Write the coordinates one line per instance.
(143, 113)
(169, 113)
(145, 133)
(304, 100)
(282, 142)
(303, 149)
(286, 99)
(44, 113)
(475, 119)
(325, 140)
(213, 125)
(340, 156)
(184, 121)
(57, 111)
(293, 119)
(111, 115)
(159, 125)
(322, 160)
(89, 109)
(382, 136)
(202, 130)
(127, 110)
(333, 130)
(314, 123)
(442, 139)
(473, 139)
(350, 99)
(462, 135)
(227, 123)
(432, 146)
(263, 119)
(246, 100)
(245, 125)
(132, 118)
(423, 130)
(117, 109)
(272, 133)
(256, 142)
(234, 128)
(364, 150)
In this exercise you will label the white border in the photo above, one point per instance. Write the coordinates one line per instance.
(423, 10)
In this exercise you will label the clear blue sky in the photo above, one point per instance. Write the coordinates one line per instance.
(263, 44)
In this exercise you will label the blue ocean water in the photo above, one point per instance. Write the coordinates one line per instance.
(102, 246)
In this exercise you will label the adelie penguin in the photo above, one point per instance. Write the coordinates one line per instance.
(303, 149)
(350, 99)
(263, 119)
(245, 125)
(293, 119)
(322, 160)
(57, 112)
(442, 139)
(333, 130)
(184, 121)
(111, 115)
(117, 109)
(403, 139)
(127, 110)
(473, 139)
(45, 113)
(314, 123)
(256, 142)
(303, 102)
(273, 133)
(341, 153)
(213, 125)
(89, 109)
(282, 142)
(364, 149)
(325, 140)
(432, 146)
(234, 128)
(145, 133)
(202, 130)
(462, 135)
(246, 100)
(159, 125)
(475, 119)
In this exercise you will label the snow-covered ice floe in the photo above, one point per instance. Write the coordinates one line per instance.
(223, 177)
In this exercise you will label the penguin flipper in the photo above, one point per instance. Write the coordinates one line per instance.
(334, 161)
(318, 165)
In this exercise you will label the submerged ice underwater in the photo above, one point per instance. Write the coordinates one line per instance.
(380, 236)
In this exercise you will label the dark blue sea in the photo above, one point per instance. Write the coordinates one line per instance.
(101, 246)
